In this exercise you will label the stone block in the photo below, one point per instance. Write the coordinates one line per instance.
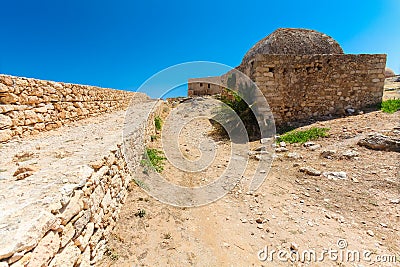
(68, 256)
(8, 98)
(67, 234)
(5, 122)
(81, 223)
(74, 206)
(46, 249)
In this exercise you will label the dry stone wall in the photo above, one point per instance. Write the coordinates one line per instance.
(29, 106)
(300, 87)
(74, 230)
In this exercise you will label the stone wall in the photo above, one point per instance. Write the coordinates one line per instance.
(74, 230)
(298, 88)
(29, 106)
(303, 87)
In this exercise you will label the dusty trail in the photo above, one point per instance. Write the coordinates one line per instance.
(290, 210)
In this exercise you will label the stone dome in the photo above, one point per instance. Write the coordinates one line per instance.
(288, 41)
(389, 73)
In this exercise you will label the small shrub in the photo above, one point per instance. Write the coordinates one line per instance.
(167, 236)
(235, 101)
(140, 213)
(153, 159)
(390, 106)
(158, 123)
(112, 254)
(303, 136)
(153, 138)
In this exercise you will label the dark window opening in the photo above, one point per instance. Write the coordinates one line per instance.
(201, 84)
(208, 86)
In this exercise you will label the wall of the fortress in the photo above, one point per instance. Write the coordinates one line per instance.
(298, 88)
(74, 230)
(77, 228)
(301, 87)
(29, 106)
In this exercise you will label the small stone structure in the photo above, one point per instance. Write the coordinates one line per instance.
(29, 106)
(304, 74)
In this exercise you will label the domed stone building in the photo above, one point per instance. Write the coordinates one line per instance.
(389, 73)
(304, 74)
(294, 42)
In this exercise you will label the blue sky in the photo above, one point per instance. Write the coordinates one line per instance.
(120, 44)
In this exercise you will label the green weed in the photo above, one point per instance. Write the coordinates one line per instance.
(303, 136)
(390, 106)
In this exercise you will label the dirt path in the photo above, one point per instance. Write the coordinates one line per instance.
(291, 210)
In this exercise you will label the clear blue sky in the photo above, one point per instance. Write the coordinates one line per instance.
(120, 44)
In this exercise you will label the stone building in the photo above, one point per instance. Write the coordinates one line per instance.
(304, 74)
(204, 86)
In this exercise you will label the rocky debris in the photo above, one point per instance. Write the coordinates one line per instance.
(349, 154)
(370, 233)
(395, 201)
(328, 154)
(259, 220)
(265, 140)
(377, 141)
(25, 171)
(314, 147)
(281, 149)
(310, 171)
(309, 143)
(261, 148)
(258, 154)
(293, 155)
(282, 144)
(311, 146)
(335, 175)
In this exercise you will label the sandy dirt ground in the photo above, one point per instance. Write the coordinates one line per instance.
(291, 211)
